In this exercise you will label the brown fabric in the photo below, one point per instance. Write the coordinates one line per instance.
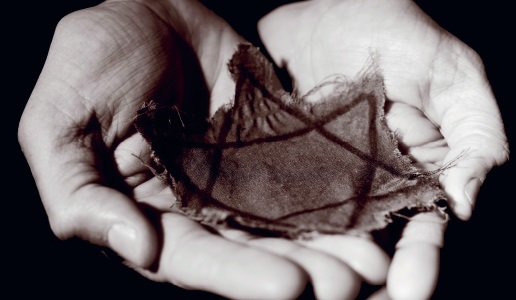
(274, 162)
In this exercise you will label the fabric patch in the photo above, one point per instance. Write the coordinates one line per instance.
(274, 162)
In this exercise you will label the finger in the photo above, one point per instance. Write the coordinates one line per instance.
(412, 127)
(471, 123)
(463, 180)
(76, 200)
(331, 278)
(415, 266)
(361, 254)
(194, 258)
(133, 160)
(380, 294)
(156, 194)
(107, 218)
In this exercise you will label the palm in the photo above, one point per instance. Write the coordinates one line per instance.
(417, 58)
(113, 66)
(106, 61)
(426, 72)
(91, 164)
(117, 72)
(124, 71)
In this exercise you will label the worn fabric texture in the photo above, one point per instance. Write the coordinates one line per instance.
(274, 162)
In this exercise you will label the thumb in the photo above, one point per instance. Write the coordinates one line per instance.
(473, 128)
(76, 201)
(108, 218)
(102, 216)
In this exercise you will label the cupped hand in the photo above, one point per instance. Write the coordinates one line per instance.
(90, 165)
(440, 103)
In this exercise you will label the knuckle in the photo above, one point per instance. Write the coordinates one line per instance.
(61, 223)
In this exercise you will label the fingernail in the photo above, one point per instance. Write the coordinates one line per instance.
(122, 240)
(471, 190)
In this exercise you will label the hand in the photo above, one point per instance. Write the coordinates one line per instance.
(77, 135)
(439, 101)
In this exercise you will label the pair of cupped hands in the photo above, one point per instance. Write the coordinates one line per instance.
(106, 61)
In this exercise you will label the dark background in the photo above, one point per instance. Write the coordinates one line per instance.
(477, 259)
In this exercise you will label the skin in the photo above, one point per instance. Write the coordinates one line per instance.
(106, 61)
(440, 102)
(77, 135)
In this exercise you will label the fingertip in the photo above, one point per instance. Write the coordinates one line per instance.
(288, 282)
(333, 279)
(471, 191)
(273, 278)
(278, 278)
(195, 258)
(348, 287)
(380, 294)
(414, 268)
(108, 218)
(414, 272)
(461, 209)
(361, 254)
(139, 247)
(463, 206)
(461, 185)
(456, 200)
(461, 194)
(330, 277)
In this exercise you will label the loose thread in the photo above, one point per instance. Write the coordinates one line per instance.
(447, 166)
(440, 211)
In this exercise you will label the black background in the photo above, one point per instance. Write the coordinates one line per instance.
(477, 259)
